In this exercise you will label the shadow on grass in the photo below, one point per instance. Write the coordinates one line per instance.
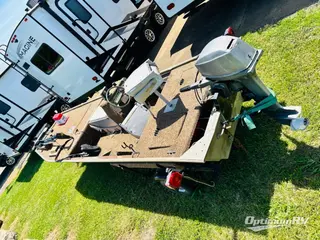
(32, 167)
(245, 186)
(213, 17)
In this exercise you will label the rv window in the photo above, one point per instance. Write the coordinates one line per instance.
(4, 108)
(46, 59)
(30, 83)
(78, 10)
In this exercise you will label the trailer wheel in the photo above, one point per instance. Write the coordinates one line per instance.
(149, 35)
(160, 19)
(64, 107)
(10, 161)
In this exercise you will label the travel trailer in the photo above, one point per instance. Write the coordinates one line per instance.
(24, 102)
(74, 46)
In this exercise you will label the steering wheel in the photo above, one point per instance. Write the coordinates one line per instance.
(117, 97)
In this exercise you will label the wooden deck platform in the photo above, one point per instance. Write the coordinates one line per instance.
(113, 145)
(166, 136)
(170, 134)
(76, 127)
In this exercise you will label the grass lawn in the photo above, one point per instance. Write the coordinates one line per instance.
(279, 179)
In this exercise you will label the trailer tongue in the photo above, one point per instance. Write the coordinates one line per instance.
(196, 131)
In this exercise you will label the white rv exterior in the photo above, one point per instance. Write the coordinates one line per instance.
(105, 22)
(23, 104)
(43, 56)
(72, 46)
(173, 7)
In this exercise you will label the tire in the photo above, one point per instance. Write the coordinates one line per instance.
(10, 161)
(65, 107)
(160, 19)
(149, 35)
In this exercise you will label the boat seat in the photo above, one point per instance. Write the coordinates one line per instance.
(136, 120)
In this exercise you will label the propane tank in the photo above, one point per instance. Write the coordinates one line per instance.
(60, 119)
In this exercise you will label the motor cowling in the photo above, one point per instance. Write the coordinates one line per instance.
(230, 60)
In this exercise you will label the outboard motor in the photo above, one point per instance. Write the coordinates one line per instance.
(230, 61)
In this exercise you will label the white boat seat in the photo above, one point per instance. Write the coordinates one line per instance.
(136, 120)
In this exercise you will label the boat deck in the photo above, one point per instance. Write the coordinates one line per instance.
(117, 144)
(76, 127)
(170, 134)
(166, 135)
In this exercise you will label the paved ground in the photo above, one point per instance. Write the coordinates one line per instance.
(4, 174)
(2, 170)
(186, 36)
(8, 174)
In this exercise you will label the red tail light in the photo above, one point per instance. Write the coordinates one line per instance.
(95, 78)
(171, 6)
(174, 180)
(229, 31)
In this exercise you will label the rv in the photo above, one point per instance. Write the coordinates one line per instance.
(172, 8)
(74, 46)
(24, 102)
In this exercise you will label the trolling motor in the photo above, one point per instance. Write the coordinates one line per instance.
(228, 63)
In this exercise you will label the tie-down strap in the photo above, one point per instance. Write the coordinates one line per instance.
(265, 103)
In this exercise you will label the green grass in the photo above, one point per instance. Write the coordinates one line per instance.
(279, 179)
